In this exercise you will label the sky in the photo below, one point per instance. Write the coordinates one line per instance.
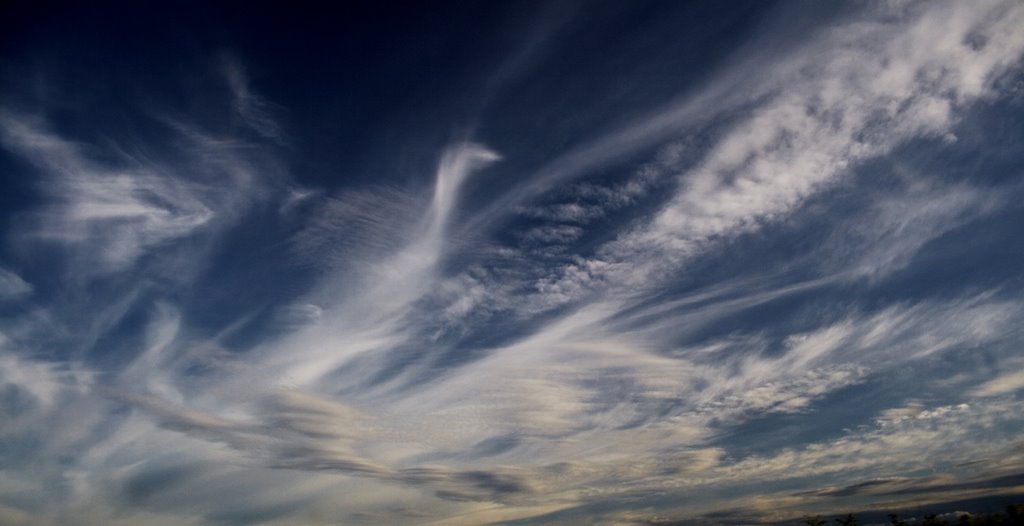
(527, 263)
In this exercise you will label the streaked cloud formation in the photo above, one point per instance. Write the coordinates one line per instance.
(783, 279)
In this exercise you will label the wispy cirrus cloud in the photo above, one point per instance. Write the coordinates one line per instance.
(602, 335)
(12, 286)
(255, 110)
(110, 215)
(121, 214)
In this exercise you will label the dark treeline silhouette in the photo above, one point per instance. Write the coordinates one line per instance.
(1014, 516)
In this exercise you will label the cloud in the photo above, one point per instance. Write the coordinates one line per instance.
(255, 111)
(298, 315)
(12, 286)
(563, 346)
(553, 234)
(111, 215)
(354, 225)
(894, 227)
(1003, 384)
(457, 163)
(884, 453)
(39, 380)
(584, 203)
(933, 484)
(859, 95)
(306, 433)
(116, 214)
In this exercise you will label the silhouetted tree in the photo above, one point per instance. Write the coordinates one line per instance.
(849, 520)
(1015, 514)
(816, 520)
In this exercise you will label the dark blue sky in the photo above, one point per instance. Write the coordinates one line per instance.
(531, 262)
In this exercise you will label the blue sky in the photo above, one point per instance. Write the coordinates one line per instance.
(518, 263)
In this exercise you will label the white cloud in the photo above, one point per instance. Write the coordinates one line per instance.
(553, 234)
(12, 286)
(457, 163)
(256, 111)
(115, 215)
(894, 227)
(856, 93)
(151, 370)
(1003, 384)
(112, 214)
(40, 379)
(609, 397)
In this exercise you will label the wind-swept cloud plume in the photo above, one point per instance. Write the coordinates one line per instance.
(12, 286)
(122, 213)
(253, 108)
